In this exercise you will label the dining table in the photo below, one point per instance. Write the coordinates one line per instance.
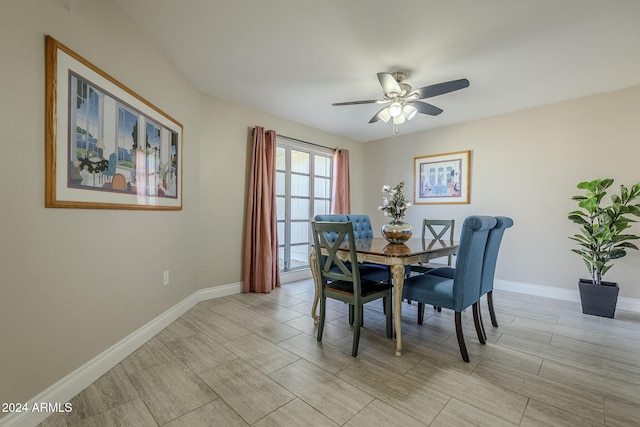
(378, 250)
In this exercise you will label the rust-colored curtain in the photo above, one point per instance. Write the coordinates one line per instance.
(260, 266)
(341, 187)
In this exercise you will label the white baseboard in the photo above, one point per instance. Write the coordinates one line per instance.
(624, 303)
(296, 275)
(69, 386)
(219, 291)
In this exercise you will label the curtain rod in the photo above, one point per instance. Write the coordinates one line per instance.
(299, 140)
(304, 142)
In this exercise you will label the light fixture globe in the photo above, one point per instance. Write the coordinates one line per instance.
(409, 111)
(384, 115)
(395, 109)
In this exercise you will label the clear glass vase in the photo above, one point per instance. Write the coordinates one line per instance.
(397, 231)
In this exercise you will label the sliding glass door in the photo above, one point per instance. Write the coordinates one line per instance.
(303, 190)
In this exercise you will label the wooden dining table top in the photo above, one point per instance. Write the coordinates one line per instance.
(412, 248)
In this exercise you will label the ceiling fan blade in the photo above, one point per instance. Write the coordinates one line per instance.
(367, 101)
(441, 88)
(389, 84)
(425, 108)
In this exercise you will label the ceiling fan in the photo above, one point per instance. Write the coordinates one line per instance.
(404, 102)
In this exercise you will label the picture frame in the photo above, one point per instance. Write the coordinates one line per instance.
(442, 178)
(93, 126)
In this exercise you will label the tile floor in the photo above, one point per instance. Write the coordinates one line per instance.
(253, 359)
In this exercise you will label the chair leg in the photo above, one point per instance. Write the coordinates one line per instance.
(461, 344)
(492, 312)
(484, 332)
(387, 305)
(351, 316)
(323, 312)
(356, 330)
(420, 313)
(477, 321)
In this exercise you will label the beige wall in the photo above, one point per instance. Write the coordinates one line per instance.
(526, 165)
(74, 282)
(225, 156)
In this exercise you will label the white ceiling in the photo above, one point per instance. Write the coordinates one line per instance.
(294, 58)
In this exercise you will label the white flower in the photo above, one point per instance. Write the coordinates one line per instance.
(397, 204)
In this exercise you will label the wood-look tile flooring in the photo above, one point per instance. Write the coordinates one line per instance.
(253, 359)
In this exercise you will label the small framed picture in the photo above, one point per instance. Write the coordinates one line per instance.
(441, 178)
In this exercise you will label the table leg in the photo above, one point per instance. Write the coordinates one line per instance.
(316, 281)
(397, 274)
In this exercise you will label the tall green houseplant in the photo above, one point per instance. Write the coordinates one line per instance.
(602, 235)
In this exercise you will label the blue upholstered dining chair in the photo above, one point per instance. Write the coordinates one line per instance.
(341, 281)
(488, 268)
(463, 289)
(490, 261)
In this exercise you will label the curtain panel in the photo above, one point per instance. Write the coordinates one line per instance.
(260, 264)
(341, 186)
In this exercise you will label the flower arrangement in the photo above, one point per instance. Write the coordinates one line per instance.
(396, 204)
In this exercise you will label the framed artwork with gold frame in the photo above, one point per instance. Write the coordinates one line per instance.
(442, 178)
(106, 147)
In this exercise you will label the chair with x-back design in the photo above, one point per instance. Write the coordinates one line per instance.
(436, 229)
(340, 279)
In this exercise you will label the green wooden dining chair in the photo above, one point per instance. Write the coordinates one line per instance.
(341, 280)
(436, 229)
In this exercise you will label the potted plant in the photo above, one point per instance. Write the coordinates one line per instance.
(602, 239)
(163, 171)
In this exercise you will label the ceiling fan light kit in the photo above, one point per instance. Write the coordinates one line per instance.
(384, 115)
(409, 111)
(395, 109)
(403, 101)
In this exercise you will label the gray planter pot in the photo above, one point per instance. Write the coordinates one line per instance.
(598, 300)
